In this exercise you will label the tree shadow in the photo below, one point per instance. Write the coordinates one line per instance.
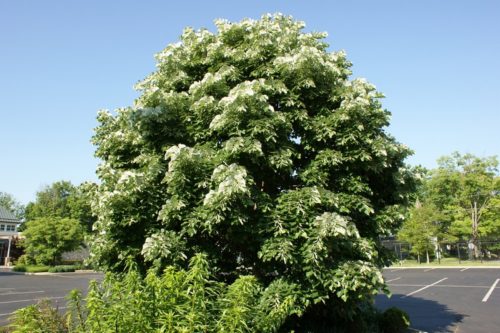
(9, 273)
(426, 315)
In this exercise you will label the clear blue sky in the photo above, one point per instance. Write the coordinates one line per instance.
(437, 62)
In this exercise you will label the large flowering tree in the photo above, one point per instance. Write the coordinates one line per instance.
(253, 145)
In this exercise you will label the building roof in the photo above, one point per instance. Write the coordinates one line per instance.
(7, 216)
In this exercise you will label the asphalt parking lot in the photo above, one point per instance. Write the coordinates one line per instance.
(17, 291)
(460, 300)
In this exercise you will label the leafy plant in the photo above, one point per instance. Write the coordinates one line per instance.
(38, 318)
(175, 301)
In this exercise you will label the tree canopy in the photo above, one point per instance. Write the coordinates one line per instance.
(45, 239)
(466, 188)
(51, 201)
(423, 229)
(62, 199)
(458, 201)
(254, 146)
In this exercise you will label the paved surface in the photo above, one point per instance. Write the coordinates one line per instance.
(18, 291)
(461, 300)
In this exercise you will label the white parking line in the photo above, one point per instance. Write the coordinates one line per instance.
(393, 279)
(462, 270)
(430, 269)
(397, 269)
(439, 286)
(423, 288)
(21, 292)
(485, 298)
(31, 300)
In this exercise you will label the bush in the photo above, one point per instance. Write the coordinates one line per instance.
(19, 268)
(176, 301)
(37, 318)
(62, 269)
(394, 320)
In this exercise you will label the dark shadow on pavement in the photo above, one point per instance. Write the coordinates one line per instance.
(426, 315)
(10, 273)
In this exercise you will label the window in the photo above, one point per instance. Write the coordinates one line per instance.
(11, 227)
(2, 227)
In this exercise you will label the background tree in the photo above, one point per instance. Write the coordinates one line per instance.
(253, 146)
(45, 239)
(63, 200)
(51, 201)
(9, 202)
(79, 203)
(466, 188)
(422, 229)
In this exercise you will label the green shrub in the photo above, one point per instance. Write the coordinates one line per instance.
(62, 269)
(394, 320)
(19, 268)
(177, 300)
(38, 318)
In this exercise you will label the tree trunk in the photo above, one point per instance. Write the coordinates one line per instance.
(427, 255)
(475, 231)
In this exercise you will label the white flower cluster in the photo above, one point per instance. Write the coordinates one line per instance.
(236, 145)
(332, 224)
(230, 180)
(362, 93)
(310, 57)
(167, 52)
(239, 98)
(162, 244)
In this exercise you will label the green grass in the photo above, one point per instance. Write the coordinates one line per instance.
(445, 262)
(31, 268)
(42, 268)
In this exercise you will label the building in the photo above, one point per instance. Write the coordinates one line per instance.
(8, 230)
